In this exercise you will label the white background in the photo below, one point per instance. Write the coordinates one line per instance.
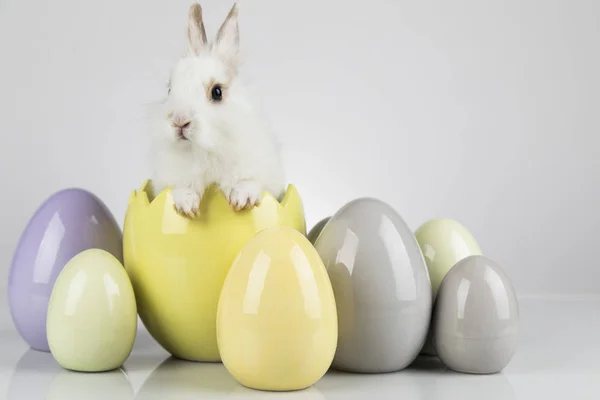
(485, 112)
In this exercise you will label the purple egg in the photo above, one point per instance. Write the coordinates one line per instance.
(68, 222)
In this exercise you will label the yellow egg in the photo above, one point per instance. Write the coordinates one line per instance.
(177, 265)
(92, 318)
(277, 321)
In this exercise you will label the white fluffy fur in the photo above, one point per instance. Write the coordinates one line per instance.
(229, 143)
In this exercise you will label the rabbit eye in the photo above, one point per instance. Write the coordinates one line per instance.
(216, 93)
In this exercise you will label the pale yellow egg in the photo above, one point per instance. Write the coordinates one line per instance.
(277, 321)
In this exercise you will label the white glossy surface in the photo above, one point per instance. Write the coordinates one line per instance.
(558, 358)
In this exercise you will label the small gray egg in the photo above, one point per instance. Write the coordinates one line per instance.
(476, 317)
(316, 230)
(381, 286)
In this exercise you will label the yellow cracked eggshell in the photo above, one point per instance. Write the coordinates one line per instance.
(177, 265)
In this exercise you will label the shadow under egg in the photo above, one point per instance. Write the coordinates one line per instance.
(242, 392)
(175, 378)
(38, 376)
(455, 385)
(112, 385)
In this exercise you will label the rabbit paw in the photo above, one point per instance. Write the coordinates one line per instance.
(187, 202)
(244, 195)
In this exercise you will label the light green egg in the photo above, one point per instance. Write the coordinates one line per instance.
(444, 242)
(92, 315)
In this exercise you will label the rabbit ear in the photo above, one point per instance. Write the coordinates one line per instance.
(195, 32)
(228, 37)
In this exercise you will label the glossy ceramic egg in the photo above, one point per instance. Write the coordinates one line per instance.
(313, 234)
(68, 222)
(476, 319)
(444, 242)
(381, 287)
(177, 265)
(92, 317)
(277, 322)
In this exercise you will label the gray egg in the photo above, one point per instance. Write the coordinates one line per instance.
(476, 317)
(381, 286)
(316, 230)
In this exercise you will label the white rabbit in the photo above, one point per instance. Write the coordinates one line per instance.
(208, 131)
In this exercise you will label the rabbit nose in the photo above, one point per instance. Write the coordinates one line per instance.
(180, 121)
